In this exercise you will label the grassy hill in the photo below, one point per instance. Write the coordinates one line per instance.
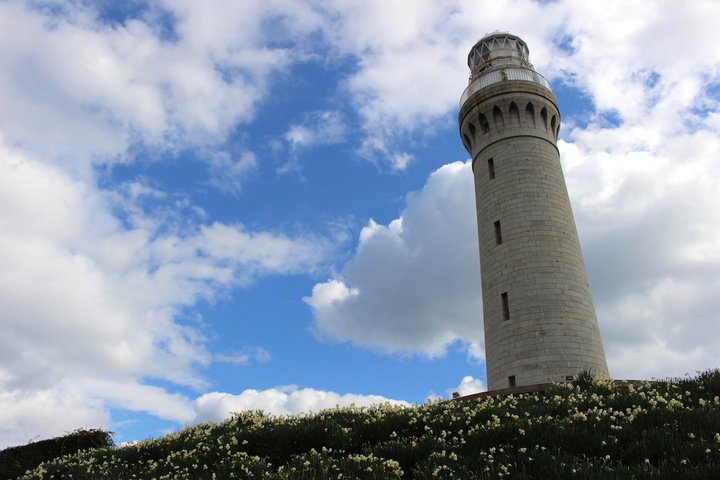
(589, 429)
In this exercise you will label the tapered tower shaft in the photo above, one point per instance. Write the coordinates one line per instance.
(539, 318)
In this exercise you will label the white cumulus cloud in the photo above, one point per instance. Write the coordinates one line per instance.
(414, 284)
(86, 297)
(468, 386)
(288, 400)
(30, 415)
(317, 128)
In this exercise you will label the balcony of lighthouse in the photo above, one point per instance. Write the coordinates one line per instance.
(502, 74)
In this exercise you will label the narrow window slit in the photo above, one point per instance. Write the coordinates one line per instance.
(491, 168)
(511, 381)
(498, 233)
(505, 306)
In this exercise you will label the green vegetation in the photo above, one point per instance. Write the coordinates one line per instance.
(16, 460)
(590, 429)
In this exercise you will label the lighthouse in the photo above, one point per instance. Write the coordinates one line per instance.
(539, 318)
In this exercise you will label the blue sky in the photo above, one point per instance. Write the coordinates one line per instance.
(216, 206)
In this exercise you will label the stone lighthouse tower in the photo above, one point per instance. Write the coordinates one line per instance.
(540, 323)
